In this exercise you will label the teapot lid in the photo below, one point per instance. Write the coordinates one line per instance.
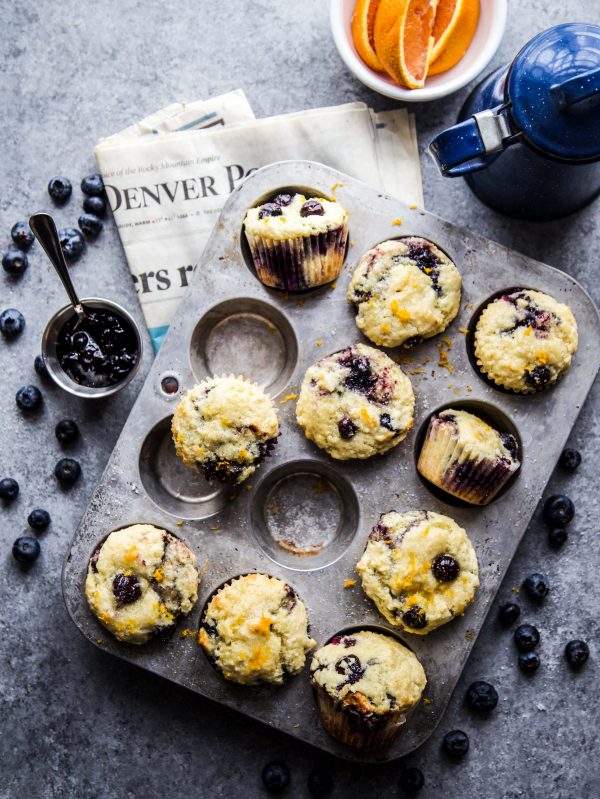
(553, 92)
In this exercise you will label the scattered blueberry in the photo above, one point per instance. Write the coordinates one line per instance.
(66, 431)
(90, 224)
(92, 185)
(529, 662)
(557, 536)
(411, 780)
(22, 236)
(445, 568)
(312, 208)
(94, 205)
(320, 782)
(283, 200)
(38, 519)
(482, 696)
(415, 617)
(558, 510)
(29, 398)
(456, 743)
(526, 637)
(26, 549)
(275, 776)
(570, 459)
(9, 489)
(12, 323)
(15, 262)
(40, 367)
(536, 587)
(60, 189)
(72, 242)
(508, 613)
(269, 209)
(347, 428)
(67, 471)
(577, 652)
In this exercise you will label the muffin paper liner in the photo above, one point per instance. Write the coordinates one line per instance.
(451, 464)
(366, 731)
(299, 263)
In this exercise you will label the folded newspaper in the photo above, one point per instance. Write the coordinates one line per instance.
(168, 177)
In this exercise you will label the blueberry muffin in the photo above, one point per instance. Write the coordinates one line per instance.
(139, 581)
(255, 630)
(356, 403)
(225, 427)
(366, 685)
(420, 569)
(404, 290)
(297, 243)
(466, 457)
(525, 341)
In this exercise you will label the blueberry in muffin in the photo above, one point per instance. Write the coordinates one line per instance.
(356, 403)
(404, 290)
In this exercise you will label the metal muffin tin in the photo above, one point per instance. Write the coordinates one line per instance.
(230, 323)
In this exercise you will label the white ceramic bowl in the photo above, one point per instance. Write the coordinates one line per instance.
(490, 28)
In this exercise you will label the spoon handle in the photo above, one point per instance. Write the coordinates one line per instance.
(44, 230)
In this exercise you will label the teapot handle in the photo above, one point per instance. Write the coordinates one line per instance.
(578, 88)
(462, 148)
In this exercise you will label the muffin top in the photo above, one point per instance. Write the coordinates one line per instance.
(368, 673)
(288, 216)
(479, 439)
(525, 341)
(139, 580)
(225, 426)
(356, 403)
(255, 630)
(419, 568)
(404, 290)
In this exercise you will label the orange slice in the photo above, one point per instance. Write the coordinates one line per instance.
(403, 39)
(363, 21)
(453, 30)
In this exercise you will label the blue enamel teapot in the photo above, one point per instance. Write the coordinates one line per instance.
(527, 140)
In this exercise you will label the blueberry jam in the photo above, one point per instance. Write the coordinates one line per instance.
(99, 350)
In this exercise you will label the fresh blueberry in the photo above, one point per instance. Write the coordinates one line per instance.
(320, 782)
(38, 519)
(29, 398)
(40, 367)
(15, 262)
(269, 209)
(456, 743)
(126, 588)
(415, 617)
(526, 637)
(508, 613)
(536, 587)
(347, 428)
(94, 205)
(577, 652)
(67, 471)
(445, 568)
(26, 549)
(66, 431)
(538, 377)
(22, 236)
(482, 696)
(558, 510)
(283, 200)
(60, 189)
(92, 185)
(312, 208)
(90, 224)
(411, 780)
(275, 776)
(72, 242)
(570, 459)
(9, 489)
(529, 662)
(557, 536)
(12, 323)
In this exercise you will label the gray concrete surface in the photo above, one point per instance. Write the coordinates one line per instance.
(73, 721)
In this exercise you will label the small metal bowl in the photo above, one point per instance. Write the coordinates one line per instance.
(55, 370)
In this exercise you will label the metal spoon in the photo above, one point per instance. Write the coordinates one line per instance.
(44, 230)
